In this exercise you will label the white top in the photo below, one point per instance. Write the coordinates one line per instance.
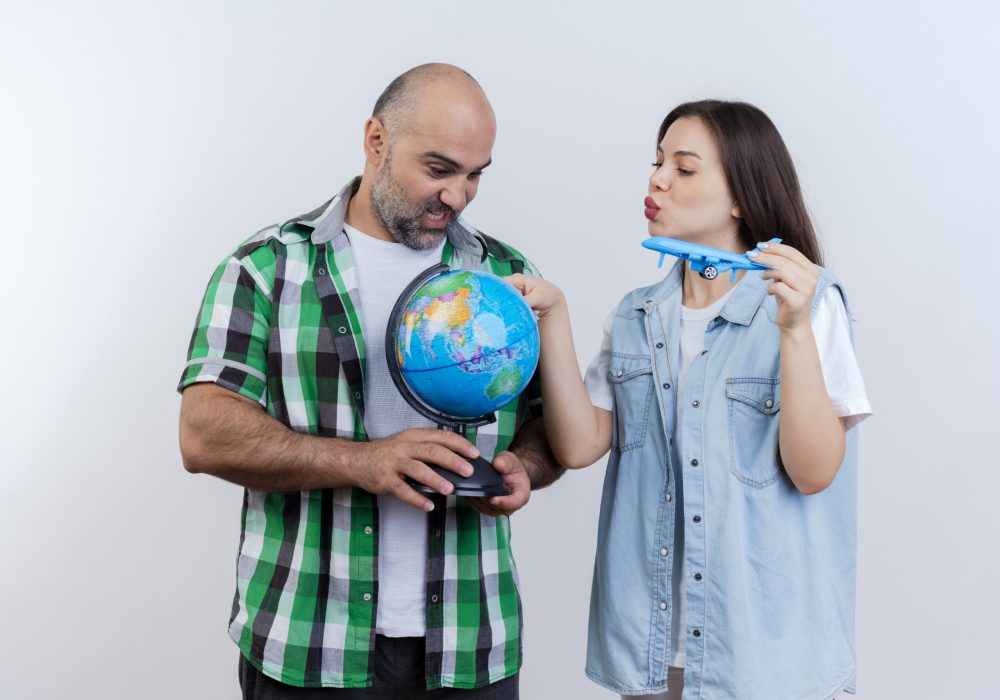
(844, 385)
(384, 269)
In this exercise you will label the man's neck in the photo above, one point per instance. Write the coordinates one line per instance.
(361, 216)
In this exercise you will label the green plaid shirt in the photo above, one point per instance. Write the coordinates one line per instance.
(281, 324)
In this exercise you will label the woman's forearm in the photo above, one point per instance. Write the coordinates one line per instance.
(578, 432)
(811, 436)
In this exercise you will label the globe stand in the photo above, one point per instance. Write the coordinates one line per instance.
(484, 481)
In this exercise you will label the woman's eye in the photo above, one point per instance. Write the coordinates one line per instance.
(656, 166)
(682, 171)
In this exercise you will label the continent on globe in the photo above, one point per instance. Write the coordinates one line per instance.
(467, 343)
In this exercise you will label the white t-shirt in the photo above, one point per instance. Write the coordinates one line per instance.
(844, 385)
(384, 269)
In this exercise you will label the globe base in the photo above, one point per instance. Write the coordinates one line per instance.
(485, 481)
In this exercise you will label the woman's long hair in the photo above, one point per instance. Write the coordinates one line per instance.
(760, 173)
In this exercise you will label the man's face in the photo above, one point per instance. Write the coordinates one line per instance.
(431, 172)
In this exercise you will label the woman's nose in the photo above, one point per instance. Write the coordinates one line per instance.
(659, 180)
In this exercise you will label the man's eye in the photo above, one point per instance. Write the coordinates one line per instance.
(438, 172)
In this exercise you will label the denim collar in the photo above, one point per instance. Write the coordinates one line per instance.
(746, 299)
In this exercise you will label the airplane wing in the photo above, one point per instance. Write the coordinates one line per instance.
(702, 256)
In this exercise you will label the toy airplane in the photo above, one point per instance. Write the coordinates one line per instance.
(707, 262)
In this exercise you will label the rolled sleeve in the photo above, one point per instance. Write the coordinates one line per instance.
(229, 343)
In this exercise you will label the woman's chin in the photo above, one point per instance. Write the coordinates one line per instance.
(663, 232)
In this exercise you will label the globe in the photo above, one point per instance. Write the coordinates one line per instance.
(466, 343)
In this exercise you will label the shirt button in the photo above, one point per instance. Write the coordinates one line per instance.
(434, 598)
(663, 551)
(367, 596)
(670, 496)
(437, 533)
(695, 403)
(619, 373)
(769, 403)
(697, 577)
(341, 330)
(368, 529)
(663, 606)
(321, 271)
(697, 633)
(694, 462)
(697, 518)
(666, 385)
(659, 346)
(357, 394)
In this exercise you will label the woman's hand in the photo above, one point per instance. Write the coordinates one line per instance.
(543, 297)
(794, 282)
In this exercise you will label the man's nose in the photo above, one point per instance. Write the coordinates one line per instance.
(454, 195)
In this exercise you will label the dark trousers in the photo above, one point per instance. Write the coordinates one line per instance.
(399, 675)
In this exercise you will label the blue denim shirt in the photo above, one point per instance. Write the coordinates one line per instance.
(770, 572)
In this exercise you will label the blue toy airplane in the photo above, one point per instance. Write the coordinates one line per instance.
(707, 262)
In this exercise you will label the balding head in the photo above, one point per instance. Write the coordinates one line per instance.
(432, 87)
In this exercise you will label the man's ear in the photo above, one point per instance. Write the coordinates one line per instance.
(376, 143)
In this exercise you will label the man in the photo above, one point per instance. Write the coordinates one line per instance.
(352, 584)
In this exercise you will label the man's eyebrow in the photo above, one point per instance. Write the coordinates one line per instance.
(434, 155)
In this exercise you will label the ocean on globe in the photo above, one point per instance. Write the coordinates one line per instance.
(467, 343)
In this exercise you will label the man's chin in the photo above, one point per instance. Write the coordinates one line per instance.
(430, 239)
(422, 238)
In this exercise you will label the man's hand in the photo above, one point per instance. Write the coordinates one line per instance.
(515, 478)
(384, 465)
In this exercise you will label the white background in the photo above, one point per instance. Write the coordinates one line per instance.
(140, 142)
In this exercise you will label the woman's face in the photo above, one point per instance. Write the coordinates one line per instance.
(689, 197)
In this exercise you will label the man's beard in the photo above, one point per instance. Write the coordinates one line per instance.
(401, 216)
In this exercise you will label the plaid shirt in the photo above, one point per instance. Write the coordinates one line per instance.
(281, 324)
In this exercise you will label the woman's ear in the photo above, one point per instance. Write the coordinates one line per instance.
(735, 212)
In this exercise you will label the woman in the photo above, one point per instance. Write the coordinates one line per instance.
(726, 545)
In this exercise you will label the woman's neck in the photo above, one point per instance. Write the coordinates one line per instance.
(698, 292)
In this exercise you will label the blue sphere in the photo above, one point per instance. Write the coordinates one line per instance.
(467, 343)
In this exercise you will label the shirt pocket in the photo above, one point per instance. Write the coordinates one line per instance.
(754, 406)
(632, 383)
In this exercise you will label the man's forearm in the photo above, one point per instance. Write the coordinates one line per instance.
(228, 436)
(532, 446)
